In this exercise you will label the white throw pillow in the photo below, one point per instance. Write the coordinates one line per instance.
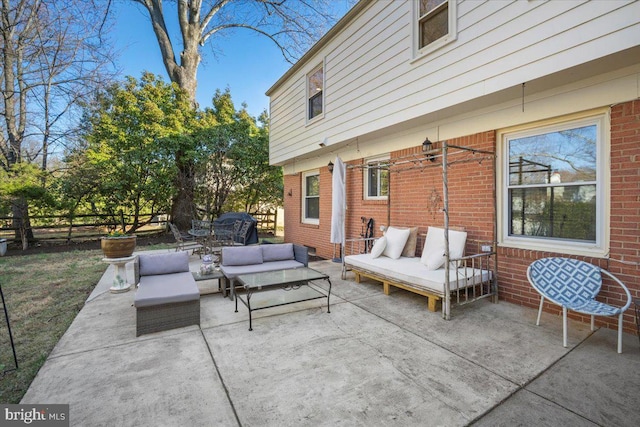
(434, 259)
(378, 247)
(396, 239)
(435, 243)
(433, 246)
(457, 242)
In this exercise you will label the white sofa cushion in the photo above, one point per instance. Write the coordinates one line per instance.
(378, 247)
(434, 258)
(434, 245)
(396, 239)
(412, 271)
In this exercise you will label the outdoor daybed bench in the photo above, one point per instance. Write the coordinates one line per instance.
(167, 296)
(237, 260)
(470, 277)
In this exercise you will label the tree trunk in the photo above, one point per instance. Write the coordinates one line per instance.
(182, 206)
(185, 76)
(22, 223)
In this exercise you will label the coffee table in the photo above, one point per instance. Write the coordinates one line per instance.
(281, 287)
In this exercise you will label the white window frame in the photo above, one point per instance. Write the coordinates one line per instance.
(600, 248)
(308, 95)
(450, 37)
(366, 178)
(305, 218)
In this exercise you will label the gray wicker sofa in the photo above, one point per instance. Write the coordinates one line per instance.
(237, 260)
(167, 296)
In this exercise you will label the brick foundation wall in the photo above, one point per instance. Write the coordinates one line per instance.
(625, 234)
(417, 199)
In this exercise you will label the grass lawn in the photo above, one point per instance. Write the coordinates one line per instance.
(44, 293)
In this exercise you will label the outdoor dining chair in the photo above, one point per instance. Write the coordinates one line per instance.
(242, 234)
(184, 242)
(574, 285)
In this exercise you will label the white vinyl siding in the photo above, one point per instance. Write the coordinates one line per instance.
(499, 45)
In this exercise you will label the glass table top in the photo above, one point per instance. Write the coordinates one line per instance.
(279, 277)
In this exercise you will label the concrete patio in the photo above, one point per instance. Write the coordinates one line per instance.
(374, 360)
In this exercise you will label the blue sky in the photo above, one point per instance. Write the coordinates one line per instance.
(246, 63)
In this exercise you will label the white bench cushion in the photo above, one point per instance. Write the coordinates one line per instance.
(413, 272)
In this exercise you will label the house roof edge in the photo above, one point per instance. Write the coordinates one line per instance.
(342, 23)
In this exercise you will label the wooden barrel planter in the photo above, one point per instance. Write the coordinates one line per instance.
(118, 247)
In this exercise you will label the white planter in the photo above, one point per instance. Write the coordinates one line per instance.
(3, 247)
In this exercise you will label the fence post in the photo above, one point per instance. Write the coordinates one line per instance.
(70, 227)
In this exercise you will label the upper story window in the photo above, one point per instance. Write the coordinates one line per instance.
(436, 24)
(311, 197)
(315, 93)
(376, 179)
(553, 187)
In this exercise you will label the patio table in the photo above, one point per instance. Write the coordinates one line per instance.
(278, 288)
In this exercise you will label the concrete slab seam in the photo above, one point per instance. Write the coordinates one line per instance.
(224, 385)
(524, 386)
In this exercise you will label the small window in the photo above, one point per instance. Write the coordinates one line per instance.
(435, 25)
(311, 197)
(554, 185)
(315, 93)
(376, 179)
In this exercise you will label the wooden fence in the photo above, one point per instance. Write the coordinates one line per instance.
(63, 228)
(266, 221)
(82, 227)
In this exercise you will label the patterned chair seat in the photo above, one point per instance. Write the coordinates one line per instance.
(574, 285)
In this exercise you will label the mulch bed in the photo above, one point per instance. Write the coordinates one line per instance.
(39, 247)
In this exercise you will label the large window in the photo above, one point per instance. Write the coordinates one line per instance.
(554, 184)
(376, 180)
(315, 91)
(436, 23)
(311, 197)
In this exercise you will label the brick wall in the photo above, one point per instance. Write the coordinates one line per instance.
(416, 199)
(625, 234)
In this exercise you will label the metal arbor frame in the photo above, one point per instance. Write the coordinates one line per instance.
(428, 159)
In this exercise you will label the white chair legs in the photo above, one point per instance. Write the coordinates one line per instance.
(564, 326)
(620, 333)
(540, 311)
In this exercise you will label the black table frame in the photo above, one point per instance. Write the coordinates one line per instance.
(287, 286)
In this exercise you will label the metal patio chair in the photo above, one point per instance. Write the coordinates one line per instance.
(573, 285)
(242, 234)
(184, 242)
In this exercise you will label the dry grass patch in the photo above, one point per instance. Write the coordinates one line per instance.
(43, 293)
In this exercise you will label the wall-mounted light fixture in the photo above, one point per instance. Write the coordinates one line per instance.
(427, 146)
(330, 166)
(290, 193)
